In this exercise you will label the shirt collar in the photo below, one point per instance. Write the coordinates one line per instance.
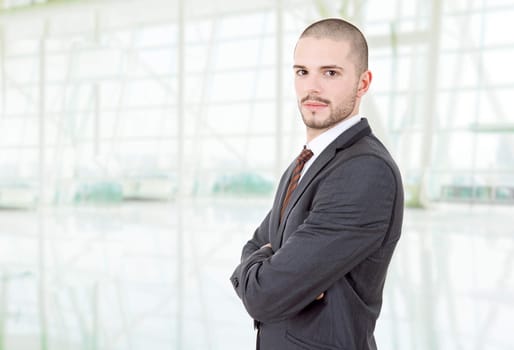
(320, 142)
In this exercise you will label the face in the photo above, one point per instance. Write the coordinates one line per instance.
(328, 87)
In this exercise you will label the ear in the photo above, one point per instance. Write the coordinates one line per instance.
(364, 83)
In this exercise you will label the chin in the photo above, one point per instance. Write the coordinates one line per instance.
(314, 121)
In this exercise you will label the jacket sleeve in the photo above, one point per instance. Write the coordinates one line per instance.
(349, 220)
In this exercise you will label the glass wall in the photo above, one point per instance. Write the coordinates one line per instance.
(89, 99)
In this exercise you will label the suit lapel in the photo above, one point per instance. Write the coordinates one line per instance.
(346, 139)
(277, 204)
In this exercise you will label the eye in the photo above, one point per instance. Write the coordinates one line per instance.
(330, 73)
(301, 72)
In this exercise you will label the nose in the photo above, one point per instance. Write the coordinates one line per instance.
(313, 84)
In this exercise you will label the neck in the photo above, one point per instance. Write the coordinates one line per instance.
(313, 133)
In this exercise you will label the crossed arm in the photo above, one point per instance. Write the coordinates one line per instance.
(349, 219)
(319, 297)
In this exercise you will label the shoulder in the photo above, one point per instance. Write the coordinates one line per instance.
(367, 160)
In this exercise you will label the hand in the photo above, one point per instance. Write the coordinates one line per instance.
(267, 245)
(319, 297)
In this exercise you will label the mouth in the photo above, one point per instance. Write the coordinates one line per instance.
(314, 105)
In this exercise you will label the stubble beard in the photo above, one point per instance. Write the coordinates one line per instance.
(337, 114)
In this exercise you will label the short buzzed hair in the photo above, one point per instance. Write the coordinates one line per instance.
(339, 29)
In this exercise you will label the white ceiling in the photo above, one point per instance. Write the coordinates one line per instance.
(65, 18)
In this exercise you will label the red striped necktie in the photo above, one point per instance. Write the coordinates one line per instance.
(295, 177)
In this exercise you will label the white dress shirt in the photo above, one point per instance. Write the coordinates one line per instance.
(320, 142)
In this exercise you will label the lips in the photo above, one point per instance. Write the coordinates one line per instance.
(314, 105)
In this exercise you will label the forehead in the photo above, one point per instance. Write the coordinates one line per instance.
(311, 51)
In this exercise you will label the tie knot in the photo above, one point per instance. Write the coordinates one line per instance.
(304, 156)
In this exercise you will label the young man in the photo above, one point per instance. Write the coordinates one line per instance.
(313, 273)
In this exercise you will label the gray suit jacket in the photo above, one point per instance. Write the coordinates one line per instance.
(337, 237)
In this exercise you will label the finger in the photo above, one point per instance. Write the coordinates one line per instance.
(320, 296)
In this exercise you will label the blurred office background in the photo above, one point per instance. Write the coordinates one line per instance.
(141, 142)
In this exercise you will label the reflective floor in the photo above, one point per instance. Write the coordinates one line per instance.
(155, 276)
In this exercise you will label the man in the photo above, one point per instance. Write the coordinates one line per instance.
(313, 273)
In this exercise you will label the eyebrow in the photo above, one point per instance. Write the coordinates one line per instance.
(332, 66)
